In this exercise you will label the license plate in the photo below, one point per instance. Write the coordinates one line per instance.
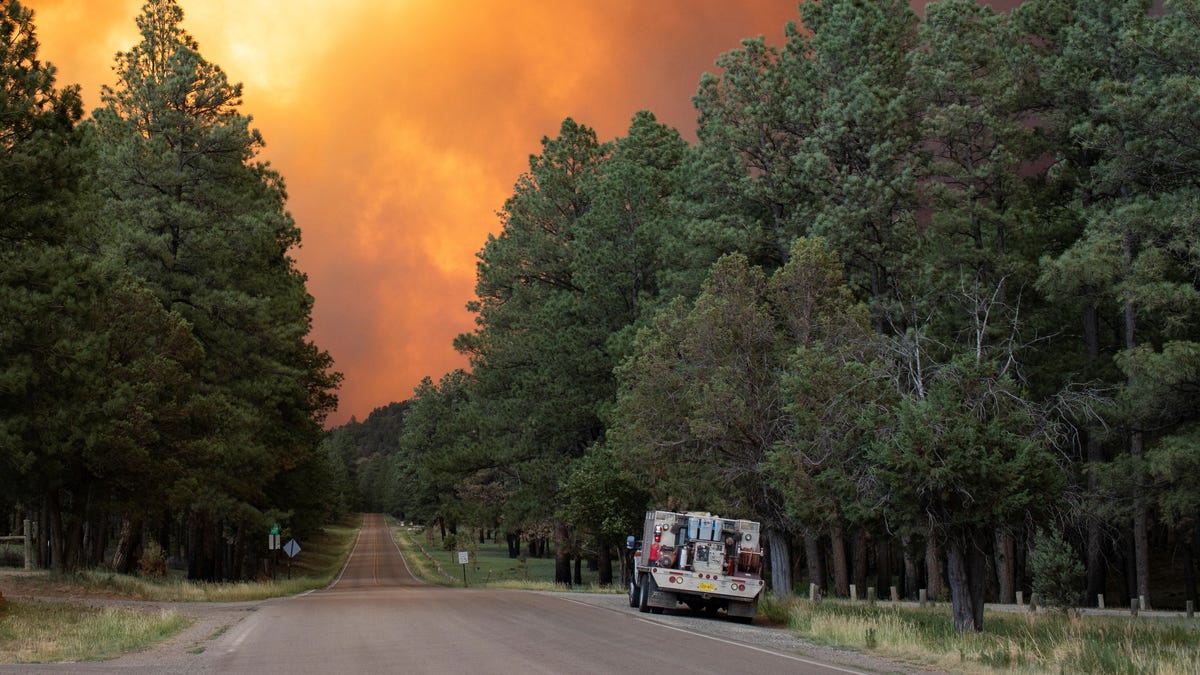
(706, 586)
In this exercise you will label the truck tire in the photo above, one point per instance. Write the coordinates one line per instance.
(634, 593)
(644, 593)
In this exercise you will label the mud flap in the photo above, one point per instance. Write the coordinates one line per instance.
(742, 612)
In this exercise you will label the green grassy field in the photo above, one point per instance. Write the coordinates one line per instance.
(489, 564)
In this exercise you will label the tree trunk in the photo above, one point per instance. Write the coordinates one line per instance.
(1189, 577)
(203, 550)
(935, 582)
(42, 550)
(562, 554)
(779, 548)
(165, 538)
(966, 568)
(605, 564)
(578, 579)
(1005, 577)
(513, 540)
(883, 566)
(815, 560)
(237, 567)
(837, 550)
(73, 546)
(1096, 565)
(860, 562)
(1141, 527)
(58, 562)
(912, 577)
(1130, 568)
(1141, 551)
(1141, 519)
(130, 538)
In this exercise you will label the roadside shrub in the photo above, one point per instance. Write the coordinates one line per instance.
(1057, 572)
(153, 562)
(10, 557)
(450, 543)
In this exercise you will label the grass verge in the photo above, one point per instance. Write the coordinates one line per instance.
(489, 565)
(36, 632)
(1012, 641)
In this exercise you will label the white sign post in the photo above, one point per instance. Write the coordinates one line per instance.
(464, 557)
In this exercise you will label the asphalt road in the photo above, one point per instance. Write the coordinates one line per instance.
(377, 618)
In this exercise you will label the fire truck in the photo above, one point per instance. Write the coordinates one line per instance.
(704, 561)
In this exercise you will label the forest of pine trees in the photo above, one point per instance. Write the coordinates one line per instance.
(156, 378)
(921, 287)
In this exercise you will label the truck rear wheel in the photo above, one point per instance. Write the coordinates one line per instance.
(644, 593)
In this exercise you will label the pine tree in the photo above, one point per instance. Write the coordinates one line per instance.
(196, 216)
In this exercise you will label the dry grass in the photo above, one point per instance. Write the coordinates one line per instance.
(1012, 642)
(36, 632)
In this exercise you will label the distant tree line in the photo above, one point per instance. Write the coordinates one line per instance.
(921, 287)
(156, 377)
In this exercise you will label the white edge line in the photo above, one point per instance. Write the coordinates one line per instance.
(757, 649)
(402, 558)
(346, 564)
(730, 642)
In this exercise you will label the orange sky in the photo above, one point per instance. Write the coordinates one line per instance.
(400, 127)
